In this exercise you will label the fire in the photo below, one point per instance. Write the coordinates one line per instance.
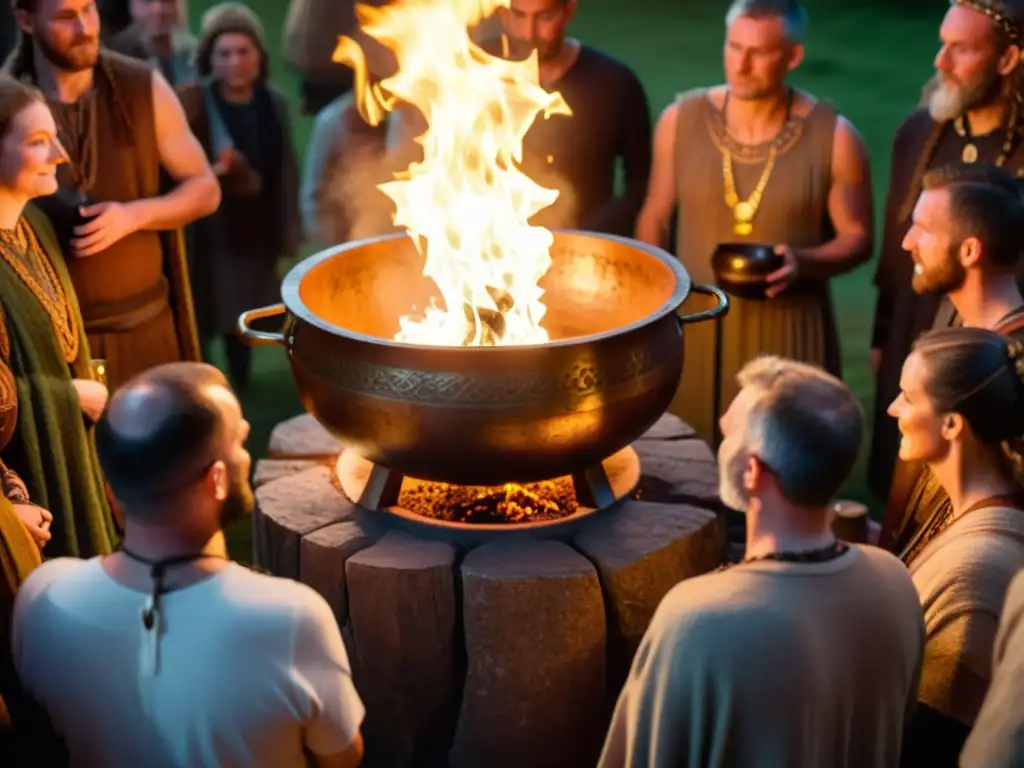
(466, 204)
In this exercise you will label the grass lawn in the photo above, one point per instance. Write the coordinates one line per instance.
(869, 58)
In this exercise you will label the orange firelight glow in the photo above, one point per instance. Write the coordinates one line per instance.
(466, 204)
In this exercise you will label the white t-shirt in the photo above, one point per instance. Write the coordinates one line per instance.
(252, 669)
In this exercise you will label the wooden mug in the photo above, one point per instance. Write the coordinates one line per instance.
(849, 521)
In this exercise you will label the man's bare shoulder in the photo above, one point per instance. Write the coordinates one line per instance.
(685, 103)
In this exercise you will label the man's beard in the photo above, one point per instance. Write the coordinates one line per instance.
(947, 276)
(948, 102)
(240, 499)
(731, 465)
(79, 56)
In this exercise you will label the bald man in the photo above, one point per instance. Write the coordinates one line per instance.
(168, 653)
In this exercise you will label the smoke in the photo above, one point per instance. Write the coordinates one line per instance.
(353, 195)
(369, 157)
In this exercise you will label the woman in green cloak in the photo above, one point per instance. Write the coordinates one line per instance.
(50, 470)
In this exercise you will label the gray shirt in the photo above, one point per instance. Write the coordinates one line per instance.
(769, 664)
(997, 739)
(962, 577)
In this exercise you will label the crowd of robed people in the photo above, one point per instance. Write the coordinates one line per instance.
(149, 189)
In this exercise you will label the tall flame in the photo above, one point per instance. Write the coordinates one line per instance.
(466, 203)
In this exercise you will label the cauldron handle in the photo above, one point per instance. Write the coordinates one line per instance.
(255, 338)
(708, 314)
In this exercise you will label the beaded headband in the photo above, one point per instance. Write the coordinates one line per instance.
(1001, 19)
(1015, 351)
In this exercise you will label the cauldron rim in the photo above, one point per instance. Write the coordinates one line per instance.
(290, 294)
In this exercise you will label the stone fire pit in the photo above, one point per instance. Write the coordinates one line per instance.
(507, 653)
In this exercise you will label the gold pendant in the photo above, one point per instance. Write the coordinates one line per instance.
(970, 154)
(743, 212)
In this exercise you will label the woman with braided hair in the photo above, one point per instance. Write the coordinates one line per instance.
(971, 112)
(961, 411)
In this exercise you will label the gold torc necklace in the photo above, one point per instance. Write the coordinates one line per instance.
(744, 211)
(20, 249)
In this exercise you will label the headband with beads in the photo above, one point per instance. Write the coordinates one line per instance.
(1016, 353)
(986, 6)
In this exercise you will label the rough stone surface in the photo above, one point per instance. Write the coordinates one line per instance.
(535, 647)
(302, 437)
(641, 553)
(538, 639)
(669, 427)
(269, 470)
(683, 471)
(402, 609)
(291, 508)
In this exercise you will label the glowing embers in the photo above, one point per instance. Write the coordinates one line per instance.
(506, 504)
(498, 508)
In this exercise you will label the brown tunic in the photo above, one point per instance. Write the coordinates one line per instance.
(799, 324)
(135, 298)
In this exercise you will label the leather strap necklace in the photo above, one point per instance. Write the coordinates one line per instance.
(943, 518)
(151, 610)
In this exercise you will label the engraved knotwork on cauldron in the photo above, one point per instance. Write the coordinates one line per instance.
(579, 380)
(487, 415)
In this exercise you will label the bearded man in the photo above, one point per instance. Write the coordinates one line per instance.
(964, 241)
(122, 126)
(973, 114)
(808, 652)
(167, 653)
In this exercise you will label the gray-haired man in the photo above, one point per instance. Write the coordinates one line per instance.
(808, 652)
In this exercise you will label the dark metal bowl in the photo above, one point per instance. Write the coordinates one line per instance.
(741, 269)
(486, 415)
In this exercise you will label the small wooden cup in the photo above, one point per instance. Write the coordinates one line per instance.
(849, 521)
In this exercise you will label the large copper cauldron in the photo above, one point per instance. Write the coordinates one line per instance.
(486, 415)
